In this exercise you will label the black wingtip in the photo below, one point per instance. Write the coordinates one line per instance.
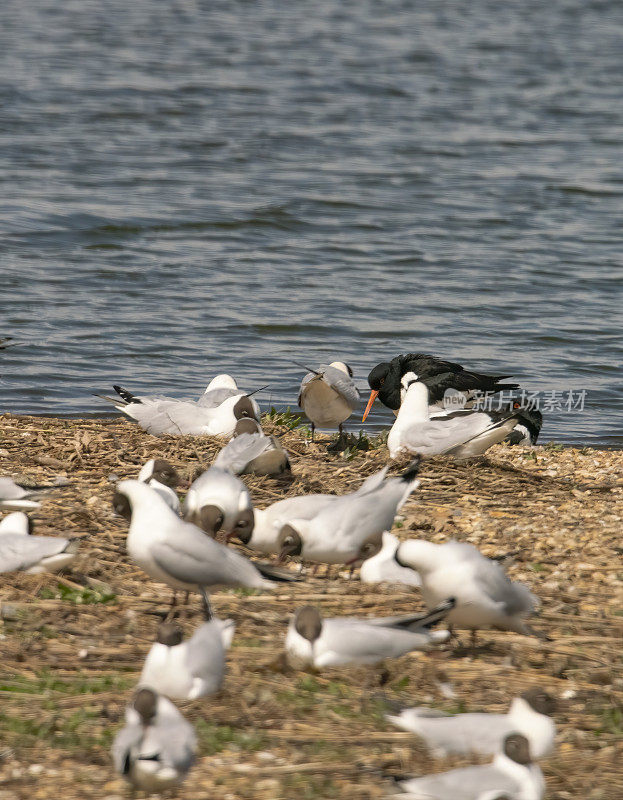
(309, 369)
(412, 470)
(125, 395)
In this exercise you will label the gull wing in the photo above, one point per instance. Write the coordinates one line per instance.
(21, 552)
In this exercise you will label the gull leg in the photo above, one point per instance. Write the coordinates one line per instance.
(207, 608)
(351, 572)
(313, 428)
(171, 613)
(473, 639)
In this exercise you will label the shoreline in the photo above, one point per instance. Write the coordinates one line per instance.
(74, 645)
(115, 415)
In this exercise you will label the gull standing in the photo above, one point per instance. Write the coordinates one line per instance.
(217, 499)
(485, 596)
(156, 748)
(382, 568)
(20, 551)
(529, 714)
(350, 529)
(328, 395)
(462, 434)
(340, 641)
(252, 452)
(512, 772)
(186, 670)
(162, 477)
(179, 553)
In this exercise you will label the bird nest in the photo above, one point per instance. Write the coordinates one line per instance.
(73, 646)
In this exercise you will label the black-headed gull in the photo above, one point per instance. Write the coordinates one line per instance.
(251, 451)
(264, 537)
(186, 670)
(179, 553)
(20, 551)
(219, 500)
(485, 596)
(350, 529)
(328, 395)
(156, 747)
(340, 641)
(512, 772)
(382, 568)
(529, 714)
(162, 477)
(165, 415)
(462, 434)
(385, 379)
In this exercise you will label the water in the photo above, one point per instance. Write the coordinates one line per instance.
(193, 187)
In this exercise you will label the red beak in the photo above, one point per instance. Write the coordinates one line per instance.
(373, 396)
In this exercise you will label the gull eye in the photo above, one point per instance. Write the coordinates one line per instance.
(382, 381)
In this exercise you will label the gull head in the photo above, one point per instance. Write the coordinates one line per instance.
(417, 554)
(243, 526)
(246, 425)
(145, 704)
(161, 471)
(169, 634)
(244, 408)
(121, 505)
(289, 542)
(517, 748)
(539, 700)
(308, 623)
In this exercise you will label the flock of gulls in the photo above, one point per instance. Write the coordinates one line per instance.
(175, 543)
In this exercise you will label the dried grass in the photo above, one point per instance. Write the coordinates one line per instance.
(68, 668)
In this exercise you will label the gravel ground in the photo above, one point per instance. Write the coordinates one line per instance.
(73, 646)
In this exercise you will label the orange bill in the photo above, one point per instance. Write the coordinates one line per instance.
(373, 396)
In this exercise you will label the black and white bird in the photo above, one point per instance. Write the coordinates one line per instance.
(320, 642)
(529, 714)
(385, 379)
(162, 477)
(156, 748)
(264, 537)
(462, 434)
(512, 773)
(160, 415)
(20, 551)
(350, 529)
(218, 500)
(485, 596)
(179, 553)
(328, 395)
(186, 670)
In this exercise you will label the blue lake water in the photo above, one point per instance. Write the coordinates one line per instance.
(195, 187)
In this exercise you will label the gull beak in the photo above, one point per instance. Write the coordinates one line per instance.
(373, 396)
